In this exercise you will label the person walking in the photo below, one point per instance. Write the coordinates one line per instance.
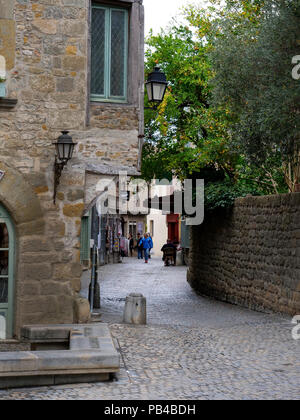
(140, 246)
(146, 246)
(131, 244)
(151, 245)
(123, 246)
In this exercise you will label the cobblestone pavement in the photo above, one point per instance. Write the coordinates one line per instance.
(193, 347)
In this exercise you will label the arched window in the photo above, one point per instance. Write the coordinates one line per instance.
(7, 251)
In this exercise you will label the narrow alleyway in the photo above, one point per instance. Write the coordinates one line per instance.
(170, 299)
(192, 348)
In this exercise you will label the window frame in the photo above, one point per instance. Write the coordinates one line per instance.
(7, 309)
(132, 228)
(107, 55)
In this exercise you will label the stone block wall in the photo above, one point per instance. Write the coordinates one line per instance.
(46, 45)
(250, 256)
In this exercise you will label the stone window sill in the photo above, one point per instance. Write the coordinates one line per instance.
(111, 104)
(6, 103)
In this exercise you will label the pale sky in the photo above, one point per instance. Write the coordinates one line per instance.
(158, 13)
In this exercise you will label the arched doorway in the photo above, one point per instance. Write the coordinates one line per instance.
(7, 261)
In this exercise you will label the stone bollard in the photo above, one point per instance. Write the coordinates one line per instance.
(135, 309)
(179, 259)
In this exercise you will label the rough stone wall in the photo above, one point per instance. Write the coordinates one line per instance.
(46, 44)
(250, 256)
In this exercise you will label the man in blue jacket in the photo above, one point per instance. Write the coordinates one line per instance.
(140, 246)
(151, 245)
(147, 245)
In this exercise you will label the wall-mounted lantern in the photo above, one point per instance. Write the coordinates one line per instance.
(156, 86)
(64, 152)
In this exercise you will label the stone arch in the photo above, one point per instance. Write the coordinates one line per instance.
(18, 197)
(23, 205)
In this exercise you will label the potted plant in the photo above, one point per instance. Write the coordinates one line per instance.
(2, 87)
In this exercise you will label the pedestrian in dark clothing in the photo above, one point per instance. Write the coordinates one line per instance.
(131, 244)
(170, 252)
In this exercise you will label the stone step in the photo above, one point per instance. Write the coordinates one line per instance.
(91, 356)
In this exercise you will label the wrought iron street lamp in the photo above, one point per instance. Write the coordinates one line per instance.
(156, 86)
(64, 152)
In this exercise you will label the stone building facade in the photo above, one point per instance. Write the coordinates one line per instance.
(47, 47)
(250, 256)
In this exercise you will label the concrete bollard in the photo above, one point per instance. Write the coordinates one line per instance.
(135, 309)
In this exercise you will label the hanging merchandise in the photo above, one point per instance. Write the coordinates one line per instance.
(120, 228)
(117, 245)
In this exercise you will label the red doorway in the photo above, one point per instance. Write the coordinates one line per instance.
(173, 227)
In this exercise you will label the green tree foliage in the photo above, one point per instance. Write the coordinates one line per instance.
(185, 134)
(252, 60)
(230, 112)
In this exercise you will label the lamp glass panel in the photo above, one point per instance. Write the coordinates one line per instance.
(149, 92)
(60, 151)
(158, 91)
(71, 150)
